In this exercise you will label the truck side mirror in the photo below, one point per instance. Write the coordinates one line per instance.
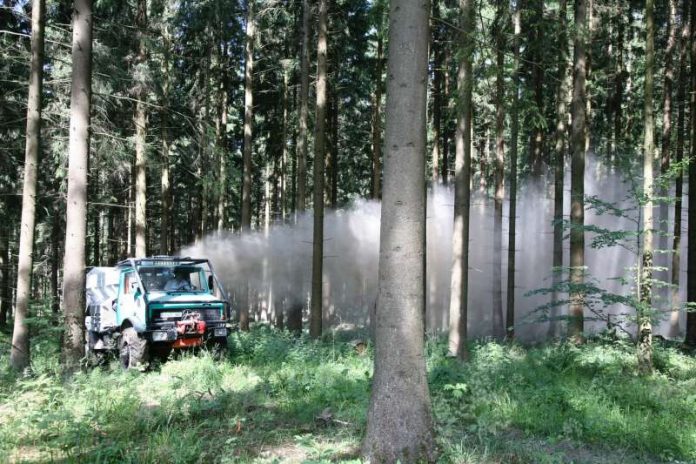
(211, 283)
(135, 289)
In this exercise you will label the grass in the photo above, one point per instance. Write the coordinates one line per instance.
(264, 404)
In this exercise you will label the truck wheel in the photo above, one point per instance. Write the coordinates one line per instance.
(133, 350)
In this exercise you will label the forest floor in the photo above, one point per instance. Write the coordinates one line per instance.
(281, 399)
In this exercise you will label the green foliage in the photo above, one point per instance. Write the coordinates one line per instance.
(583, 400)
(278, 398)
(261, 402)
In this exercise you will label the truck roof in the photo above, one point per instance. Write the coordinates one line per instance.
(160, 261)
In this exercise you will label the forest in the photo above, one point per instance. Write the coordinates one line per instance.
(264, 231)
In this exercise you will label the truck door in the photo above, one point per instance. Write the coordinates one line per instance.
(130, 301)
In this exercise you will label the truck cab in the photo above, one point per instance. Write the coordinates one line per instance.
(146, 307)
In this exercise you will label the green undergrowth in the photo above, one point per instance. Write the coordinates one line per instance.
(281, 399)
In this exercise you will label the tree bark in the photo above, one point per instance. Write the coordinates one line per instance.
(618, 82)
(577, 177)
(304, 113)
(294, 312)
(204, 152)
(645, 310)
(20, 355)
(446, 129)
(588, 73)
(96, 232)
(462, 176)
(248, 119)
(55, 260)
(315, 323)
(537, 39)
(377, 122)
(221, 141)
(559, 167)
(335, 168)
(437, 96)
(286, 143)
(140, 122)
(691, 208)
(399, 422)
(5, 275)
(514, 136)
(247, 151)
(679, 181)
(666, 146)
(499, 325)
(165, 219)
(76, 214)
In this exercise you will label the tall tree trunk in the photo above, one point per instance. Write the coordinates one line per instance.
(446, 131)
(617, 98)
(588, 73)
(399, 422)
(514, 136)
(691, 208)
(678, 189)
(55, 260)
(76, 214)
(247, 152)
(315, 325)
(304, 116)
(335, 168)
(377, 122)
(204, 159)
(165, 219)
(295, 306)
(140, 121)
(577, 176)
(328, 137)
(559, 165)
(5, 275)
(436, 49)
(221, 141)
(497, 277)
(129, 214)
(286, 143)
(644, 311)
(537, 38)
(96, 229)
(20, 355)
(248, 118)
(267, 197)
(462, 189)
(666, 147)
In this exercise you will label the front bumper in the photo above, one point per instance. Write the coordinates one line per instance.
(166, 332)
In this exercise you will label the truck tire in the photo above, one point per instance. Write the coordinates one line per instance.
(133, 350)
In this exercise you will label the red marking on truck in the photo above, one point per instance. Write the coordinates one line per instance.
(191, 326)
(187, 342)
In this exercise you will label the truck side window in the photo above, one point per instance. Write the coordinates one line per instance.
(127, 279)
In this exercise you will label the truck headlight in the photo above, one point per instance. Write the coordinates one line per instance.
(160, 336)
(220, 332)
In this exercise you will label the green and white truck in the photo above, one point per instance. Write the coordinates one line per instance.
(146, 307)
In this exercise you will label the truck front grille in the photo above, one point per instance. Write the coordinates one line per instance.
(206, 314)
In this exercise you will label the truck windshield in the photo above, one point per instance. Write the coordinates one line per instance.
(175, 279)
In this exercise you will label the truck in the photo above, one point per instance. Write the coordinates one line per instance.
(143, 308)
